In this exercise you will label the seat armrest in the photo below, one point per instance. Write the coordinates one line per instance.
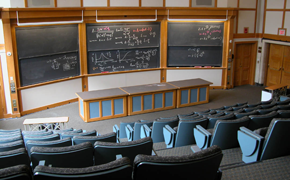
(169, 136)
(251, 133)
(129, 132)
(145, 131)
(117, 131)
(202, 137)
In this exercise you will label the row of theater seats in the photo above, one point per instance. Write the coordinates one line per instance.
(217, 126)
(201, 165)
(104, 160)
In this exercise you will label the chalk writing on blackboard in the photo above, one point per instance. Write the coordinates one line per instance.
(117, 60)
(195, 53)
(66, 62)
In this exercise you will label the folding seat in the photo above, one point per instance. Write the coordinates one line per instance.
(254, 104)
(212, 120)
(156, 130)
(211, 112)
(249, 109)
(283, 113)
(53, 143)
(220, 108)
(118, 169)
(222, 113)
(133, 133)
(224, 134)
(12, 145)
(265, 143)
(14, 157)
(72, 134)
(243, 113)
(201, 165)
(10, 139)
(50, 137)
(66, 130)
(225, 109)
(167, 118)
(36, 133)
(233, 111)
(284, 107)
(77, 156)
(259, 121)
(10, 131)
(109, 137)
(121, 132)
(242, 103)
(105, 152)
(285, 102)
(203, 111)
(193, 117)
(230, 106)
(9, 135)
(268, 110)
(185, 115)
(17, 172)
(239, 107)
(267, 106)
(182, 135)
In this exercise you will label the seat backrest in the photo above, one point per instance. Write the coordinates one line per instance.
(14, 157)
(10, 130)
(249, 109)
(72, 134)
(12, 146)
(18, 172)
(268, 110)
(50, 137)
(242, 114)
(137, 129)
(200, 165)
(118, 169)
(267, 106)
(259, 121)
(284, 107)
(105, 152)
(109, 137)
(277, 138)
(190, 118)
(254, 104)
(10, 139)
(213, 120)
(283, 113)
(185, 115)
(157, 128)
(70, 156)
(184, 135)
(121, 133)
(225, 132)
(36, 133)
(285, 102)
(53, 143)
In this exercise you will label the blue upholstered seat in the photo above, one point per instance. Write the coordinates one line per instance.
(14, 157)
(265, 143)
(109, 137)
(71, 134)
(17, 172)
(134, 133)
(121, 132)
(259, 121)
(224, 134)
(118, 169)
(156, 130)
(212, 120)
(12, 145)
(182, 135)
(50, 137)
(201, 165)
(70, 156)
(105, 152)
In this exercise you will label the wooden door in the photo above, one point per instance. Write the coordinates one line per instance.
(243, 70)
(285, 76)
(275, 64)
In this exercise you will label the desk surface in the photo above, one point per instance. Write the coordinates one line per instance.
(101, 94)
(141, 89)
(45, 120)
(189, 83)
(277, 86)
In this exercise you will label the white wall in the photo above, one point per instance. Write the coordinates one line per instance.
(246, 19)
(212, 75)
(50, 94)
(71, 3)
(124, 3)
(92, 3)
(17, 3)
(273, 22)
(152, 3)
(122, 80)
(177, 3)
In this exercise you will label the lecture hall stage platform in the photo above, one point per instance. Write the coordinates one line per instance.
(119, 102)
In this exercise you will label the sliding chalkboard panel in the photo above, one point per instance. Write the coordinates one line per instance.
(122, 36)
(48, 68)
(195, 34)
(47, 53)
(195, 56)
(46, 40)
(123, 47)
(123, 60)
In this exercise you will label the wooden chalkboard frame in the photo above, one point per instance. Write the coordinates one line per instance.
(195, 44)
(115, 47)
(53, 55)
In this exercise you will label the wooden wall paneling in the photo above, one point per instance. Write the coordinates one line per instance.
(215, 3)
(230, 65)
(25, 3)
(55, 3)
(225, 53)
(83, 56)
(256, 16)
(164, 3)
(108, 3)
(8, 38)
(140, 3)
(3, 107)
(163, 49)
(82, 3)
(284, 13)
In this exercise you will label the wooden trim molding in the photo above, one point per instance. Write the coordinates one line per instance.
(2, 47)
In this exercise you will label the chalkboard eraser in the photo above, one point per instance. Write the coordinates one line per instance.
(105, 72)
(197, 66)
(207, 66)
(177, 67)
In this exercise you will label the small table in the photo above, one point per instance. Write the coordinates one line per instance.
(276, 91)
(34, 123)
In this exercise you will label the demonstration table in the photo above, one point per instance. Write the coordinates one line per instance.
(46, 123)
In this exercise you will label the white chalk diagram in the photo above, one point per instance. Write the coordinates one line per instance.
(139, 59)
(126, 37)
(65, 62)
(195, 53)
